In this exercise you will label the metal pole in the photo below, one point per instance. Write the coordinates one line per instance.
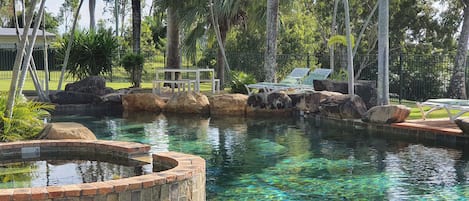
(401, 78)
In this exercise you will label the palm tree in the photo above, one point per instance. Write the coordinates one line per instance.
(221, 15)
(136, 30)
(457, 87)
(173, 10)
(69, 46)
(270, 65)
(92, 8)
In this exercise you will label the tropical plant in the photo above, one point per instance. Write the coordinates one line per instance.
(239, 79)
(26, 121)
(133, 64)
(92, 53)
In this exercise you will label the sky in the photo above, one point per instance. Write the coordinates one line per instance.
(53, 6)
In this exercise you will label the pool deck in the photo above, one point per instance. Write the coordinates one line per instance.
(441, 125)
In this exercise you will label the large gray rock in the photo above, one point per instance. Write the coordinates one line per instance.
(387, 114)
(70, 97)
(143, 102)
(463, 124)
(93, 85)
(66, 130)
(86, 91)
(310, 101)
(257, 100)
(363, 88)
(343, 107)
(188, 102)
(228, 104)
(278, 100)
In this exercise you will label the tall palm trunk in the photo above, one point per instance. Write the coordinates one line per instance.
(18, 59)
(136, 30)
(383, 52)
(457, 87)
(92, 8)
(69, 47)
(224, 27)
(172, 47)
(270, 64)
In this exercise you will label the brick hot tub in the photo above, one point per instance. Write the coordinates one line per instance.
(175, 176)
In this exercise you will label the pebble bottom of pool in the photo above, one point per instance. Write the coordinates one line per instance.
(296, 159)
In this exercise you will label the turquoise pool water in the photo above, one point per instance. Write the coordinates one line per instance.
(295, 159)
(26, 174)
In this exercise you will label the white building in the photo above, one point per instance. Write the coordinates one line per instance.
(9, 39)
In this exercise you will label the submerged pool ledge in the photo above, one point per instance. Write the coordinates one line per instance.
(409, 130)
(182, 176)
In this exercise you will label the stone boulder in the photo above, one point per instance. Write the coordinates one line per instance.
(66, 130)
(92, 85)
(67, 97)
(363, 88)
(278, 100)
(463, 124)
(310, 101)
(189, 103)
(343, 107)
(387, 114)
(257, 100)
(86, 91)
(228, 104)
(143, 102)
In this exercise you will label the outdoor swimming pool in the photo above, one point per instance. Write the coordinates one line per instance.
(295, 159)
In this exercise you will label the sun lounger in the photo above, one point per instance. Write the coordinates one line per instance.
(304, 84)
(294, 77)
(445, 103)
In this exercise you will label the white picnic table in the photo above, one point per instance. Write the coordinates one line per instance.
(185, 82)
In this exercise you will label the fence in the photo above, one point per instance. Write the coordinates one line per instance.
(411, 77)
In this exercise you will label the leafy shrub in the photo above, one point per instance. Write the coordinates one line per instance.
(341, 75)
(26, 121)
(91, 53)
(133, 64)
(239, 79)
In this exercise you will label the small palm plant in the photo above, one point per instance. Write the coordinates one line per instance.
(26, 121)
(133, 64)
(91, 53)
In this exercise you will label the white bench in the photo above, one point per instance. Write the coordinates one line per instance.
(180, 84)
(215, 84)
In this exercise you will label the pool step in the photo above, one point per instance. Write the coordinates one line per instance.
(146, 159)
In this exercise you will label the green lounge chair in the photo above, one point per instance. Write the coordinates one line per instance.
(305, 84)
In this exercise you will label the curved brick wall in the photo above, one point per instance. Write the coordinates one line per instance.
(183, 179)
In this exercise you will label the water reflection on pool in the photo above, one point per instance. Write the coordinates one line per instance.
(294, 159)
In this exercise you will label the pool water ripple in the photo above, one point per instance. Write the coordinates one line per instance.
(293, 159)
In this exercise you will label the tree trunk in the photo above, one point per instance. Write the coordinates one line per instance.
(69, 47)
(172, 32)
(18, 59)
(270, 65)
(349, 50)
(136, 27)
(224, 27)
(457, 87)
(28, 58)
(333, 32)
(92, 7)
(383, 52)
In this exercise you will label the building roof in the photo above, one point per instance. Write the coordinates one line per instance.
(6, 32)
